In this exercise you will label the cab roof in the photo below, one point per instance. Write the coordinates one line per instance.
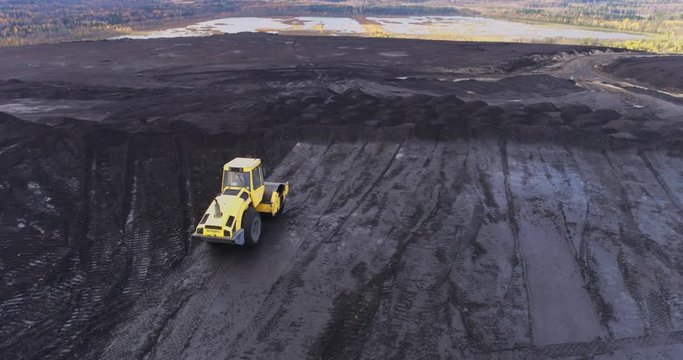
(245, 164)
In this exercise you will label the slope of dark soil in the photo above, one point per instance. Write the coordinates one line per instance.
(662, 72)
(428, 218)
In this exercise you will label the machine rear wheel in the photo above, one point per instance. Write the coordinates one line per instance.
(251, 223)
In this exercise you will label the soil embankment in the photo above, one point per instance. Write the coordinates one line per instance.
(664, 72)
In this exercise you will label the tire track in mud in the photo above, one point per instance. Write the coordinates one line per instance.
(210, 283)
(599, 346)
(143, 331)
(344, 337)
(154, 244)
(135, 339)
(96, 259)
(567, 208)
(353, 316)
(575, 206)
(291, 284)
(417, 290)
(496, 315)
(347, 154)
(589, 349)
(363, 324)
(314, 163)
(294, 216)
(334, 200)
(410, 253)
(618, 253)
(203, 277)
(644, 249)
(44, 245)
(662, 182)
(364, 195)
(602, 249)
(519, 258)
(556, 286)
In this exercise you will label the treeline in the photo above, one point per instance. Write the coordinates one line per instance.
(659, 24)
(30, 22)
(659, 44)
(662, 20)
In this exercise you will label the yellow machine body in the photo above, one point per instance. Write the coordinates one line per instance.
(242, 188)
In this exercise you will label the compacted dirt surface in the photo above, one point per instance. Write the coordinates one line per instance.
(665, 72)
(449, 200)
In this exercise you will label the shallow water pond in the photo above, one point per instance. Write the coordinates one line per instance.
(436, 27)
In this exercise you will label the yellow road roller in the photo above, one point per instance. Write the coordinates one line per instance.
(234, 215)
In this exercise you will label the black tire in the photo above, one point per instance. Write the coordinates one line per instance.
(251, 223)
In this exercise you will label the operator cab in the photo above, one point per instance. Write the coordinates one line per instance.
(244, 173)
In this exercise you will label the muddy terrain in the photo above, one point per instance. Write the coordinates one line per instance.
(449, 200)
(664, 72)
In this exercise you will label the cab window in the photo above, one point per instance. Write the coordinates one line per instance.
(235, 179)
(258, 177)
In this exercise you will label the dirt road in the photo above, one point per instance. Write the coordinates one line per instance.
(542, 222)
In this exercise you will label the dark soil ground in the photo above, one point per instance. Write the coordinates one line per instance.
(449, 200)
(665, 72)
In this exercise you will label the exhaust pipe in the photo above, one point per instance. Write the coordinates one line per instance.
(217, 210)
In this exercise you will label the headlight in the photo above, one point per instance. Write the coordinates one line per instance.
(200, 231)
